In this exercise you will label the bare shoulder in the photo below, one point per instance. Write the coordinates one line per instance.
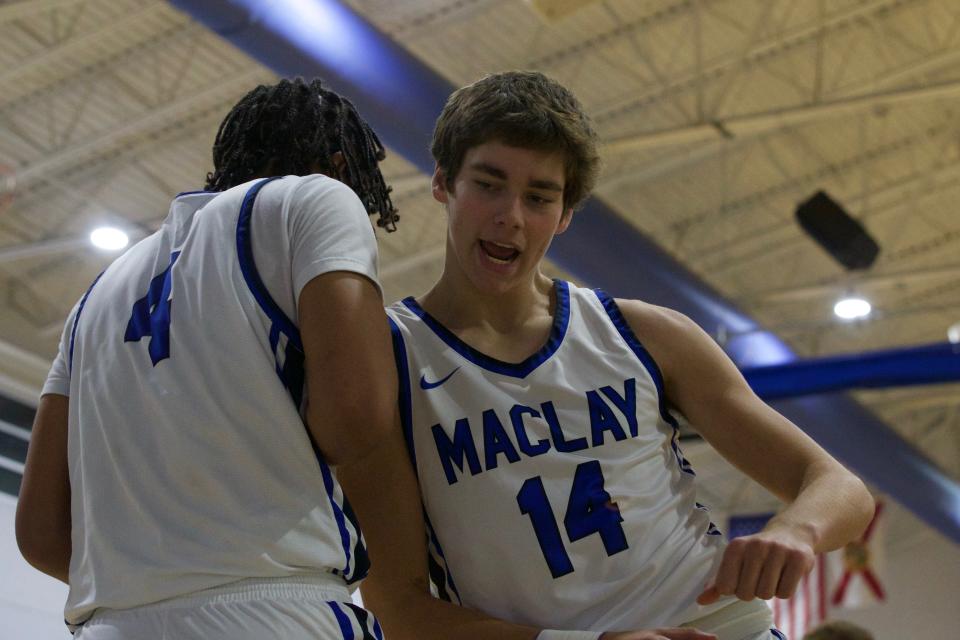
(687, 356)
(654, 325)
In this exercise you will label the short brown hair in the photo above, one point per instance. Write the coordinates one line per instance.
(838, 630)
(523, 109)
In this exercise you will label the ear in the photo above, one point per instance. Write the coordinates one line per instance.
(565, 219)
(438, 186)
(339, 166)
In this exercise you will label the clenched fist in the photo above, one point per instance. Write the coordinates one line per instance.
(766, 564)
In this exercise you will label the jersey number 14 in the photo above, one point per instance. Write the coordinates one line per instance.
(589, 511)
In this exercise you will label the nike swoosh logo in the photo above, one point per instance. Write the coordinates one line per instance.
(425, 384)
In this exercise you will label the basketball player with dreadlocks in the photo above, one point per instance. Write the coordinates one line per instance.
(209, 380)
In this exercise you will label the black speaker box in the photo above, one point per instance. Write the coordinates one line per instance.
(840, 235)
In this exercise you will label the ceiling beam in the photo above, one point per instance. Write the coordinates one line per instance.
(18, 365)
(892, 79)
(57, 56)
(903, 367)
(762, 122)
(885, 199)
(769, 47)
(854, 280)
(53, 246)
(11, 11)
(148, 122)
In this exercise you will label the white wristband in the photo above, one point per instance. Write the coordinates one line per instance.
(553, 634)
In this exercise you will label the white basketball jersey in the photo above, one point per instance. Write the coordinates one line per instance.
(554, 489)
(190, 464)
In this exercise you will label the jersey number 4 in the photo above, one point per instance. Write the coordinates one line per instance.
(589, 511)
(151, 315)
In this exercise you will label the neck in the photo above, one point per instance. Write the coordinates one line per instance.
(459, 305)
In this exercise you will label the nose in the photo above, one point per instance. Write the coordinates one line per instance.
(511, 213)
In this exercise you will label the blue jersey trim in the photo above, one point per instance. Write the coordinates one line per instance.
(361, 559)
(439, 573)
(616, 317)
(291, 374)
(404, 399)
(76, 320)
(561, 320)
(192, 193)
(441, 588)
(290, 367)
(338, 515)
(249, 268)
(779, 635)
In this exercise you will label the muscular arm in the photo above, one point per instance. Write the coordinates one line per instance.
(43, 508)
(351, 376)
(826, 505)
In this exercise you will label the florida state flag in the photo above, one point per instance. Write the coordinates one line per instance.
(856, 569)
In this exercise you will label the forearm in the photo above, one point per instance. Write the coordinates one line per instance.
(413, 614)
(825, 504)
(422, 616)
(43, 519)
(833, 507)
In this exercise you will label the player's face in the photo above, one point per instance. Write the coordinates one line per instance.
(504, 208)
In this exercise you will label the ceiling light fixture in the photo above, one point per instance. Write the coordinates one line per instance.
(109, 238)
(953, 334)
(852, 308)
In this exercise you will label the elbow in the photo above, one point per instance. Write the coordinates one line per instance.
(30, 551)
(858, 503)
(45, 548)
(38, 559)
(54, 562)
(27, 541)
(39, 553)
(866, 505)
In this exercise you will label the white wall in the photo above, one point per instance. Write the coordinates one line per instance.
(31, 604)
(922, 580)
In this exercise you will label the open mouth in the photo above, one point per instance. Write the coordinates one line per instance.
(499, 253)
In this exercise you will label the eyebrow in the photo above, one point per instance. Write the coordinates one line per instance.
(484, 167)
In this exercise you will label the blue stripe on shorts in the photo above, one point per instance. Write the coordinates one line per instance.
(347, 613)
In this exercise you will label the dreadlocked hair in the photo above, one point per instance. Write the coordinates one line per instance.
(294, 128)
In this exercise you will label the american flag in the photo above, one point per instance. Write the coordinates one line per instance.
(808, 606)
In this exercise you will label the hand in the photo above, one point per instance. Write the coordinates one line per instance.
(673, 633)
(766, 564)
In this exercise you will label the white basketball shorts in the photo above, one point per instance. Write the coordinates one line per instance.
(297, 608)
(740, 621)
